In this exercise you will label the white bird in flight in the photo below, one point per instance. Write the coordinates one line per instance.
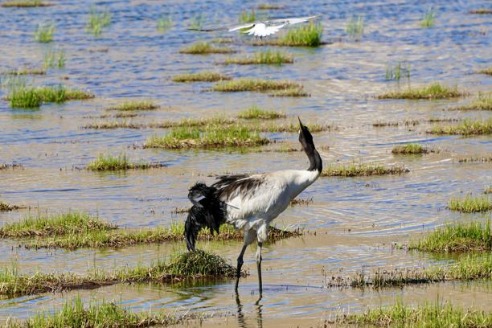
(266, 28)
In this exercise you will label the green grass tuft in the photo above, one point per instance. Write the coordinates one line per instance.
(212, 137)
(54, 59)
(409, 149)
(481, 11)
(459, 237)
(27, 71)
(204, 76)
(200, 263)
(305, 36)
(354, 170)
(24, 3)
(257, 85)
(55, 225)
(164, 24)
(4, 207)
(427, 315)
(254, 113)
(44, 33)
(247, 16)
(115, 163)
(470, 204)
(355, 27)
(32, 97)
(487, 71)
(428, 20)
(269, 6)
(262, 58)
(431, 91)
(204, 48)
(467, 128)
(134, 105)
(97, 21)
(483, 102)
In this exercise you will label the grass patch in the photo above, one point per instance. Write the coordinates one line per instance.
(487, 71)
(292, 92)
(205, 76)
(206, 266)
(459, 237)
(410, 149)
(356, 170)
(25, 3)
(355, 27)
(247, 16)
(289, 127)
(481, 11)
(470, 267)
(305, 36)
(211, 137)
(256, 113)
(488, 190)
(4, 207)
(32, 97)
(476, 159)
(54, 59)
(269, 6)
(27, 71)
(44, 33)
(428, 20)
(467, 128)
(398, 71)
(268, 57)
(431, 91)
(97, 21)
(204, 48)
(164, 24)
(483, 102)
(120, 162)
(102, 314)
(470, 204)
(258, 85)
(113, 237)
(427, 315)
(55, 225)
(134, 105)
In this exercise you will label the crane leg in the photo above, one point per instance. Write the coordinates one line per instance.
(240, 262)
(258, 266)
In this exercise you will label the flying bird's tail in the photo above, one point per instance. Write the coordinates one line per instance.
(207, 211)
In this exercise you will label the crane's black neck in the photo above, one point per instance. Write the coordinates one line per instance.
(315, 162)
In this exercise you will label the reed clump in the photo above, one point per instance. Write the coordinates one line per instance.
(432, 91)
(98, 21)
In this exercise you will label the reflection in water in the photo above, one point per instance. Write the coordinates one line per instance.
(240, 315)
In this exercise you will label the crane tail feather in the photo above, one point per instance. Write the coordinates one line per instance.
(207, 211)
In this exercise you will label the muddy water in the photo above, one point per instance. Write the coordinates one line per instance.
(355, 220)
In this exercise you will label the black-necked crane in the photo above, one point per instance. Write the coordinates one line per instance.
(250, 201)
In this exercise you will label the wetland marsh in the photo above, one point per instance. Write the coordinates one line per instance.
(98, 121)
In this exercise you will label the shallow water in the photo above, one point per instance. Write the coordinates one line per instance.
(356, 220)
